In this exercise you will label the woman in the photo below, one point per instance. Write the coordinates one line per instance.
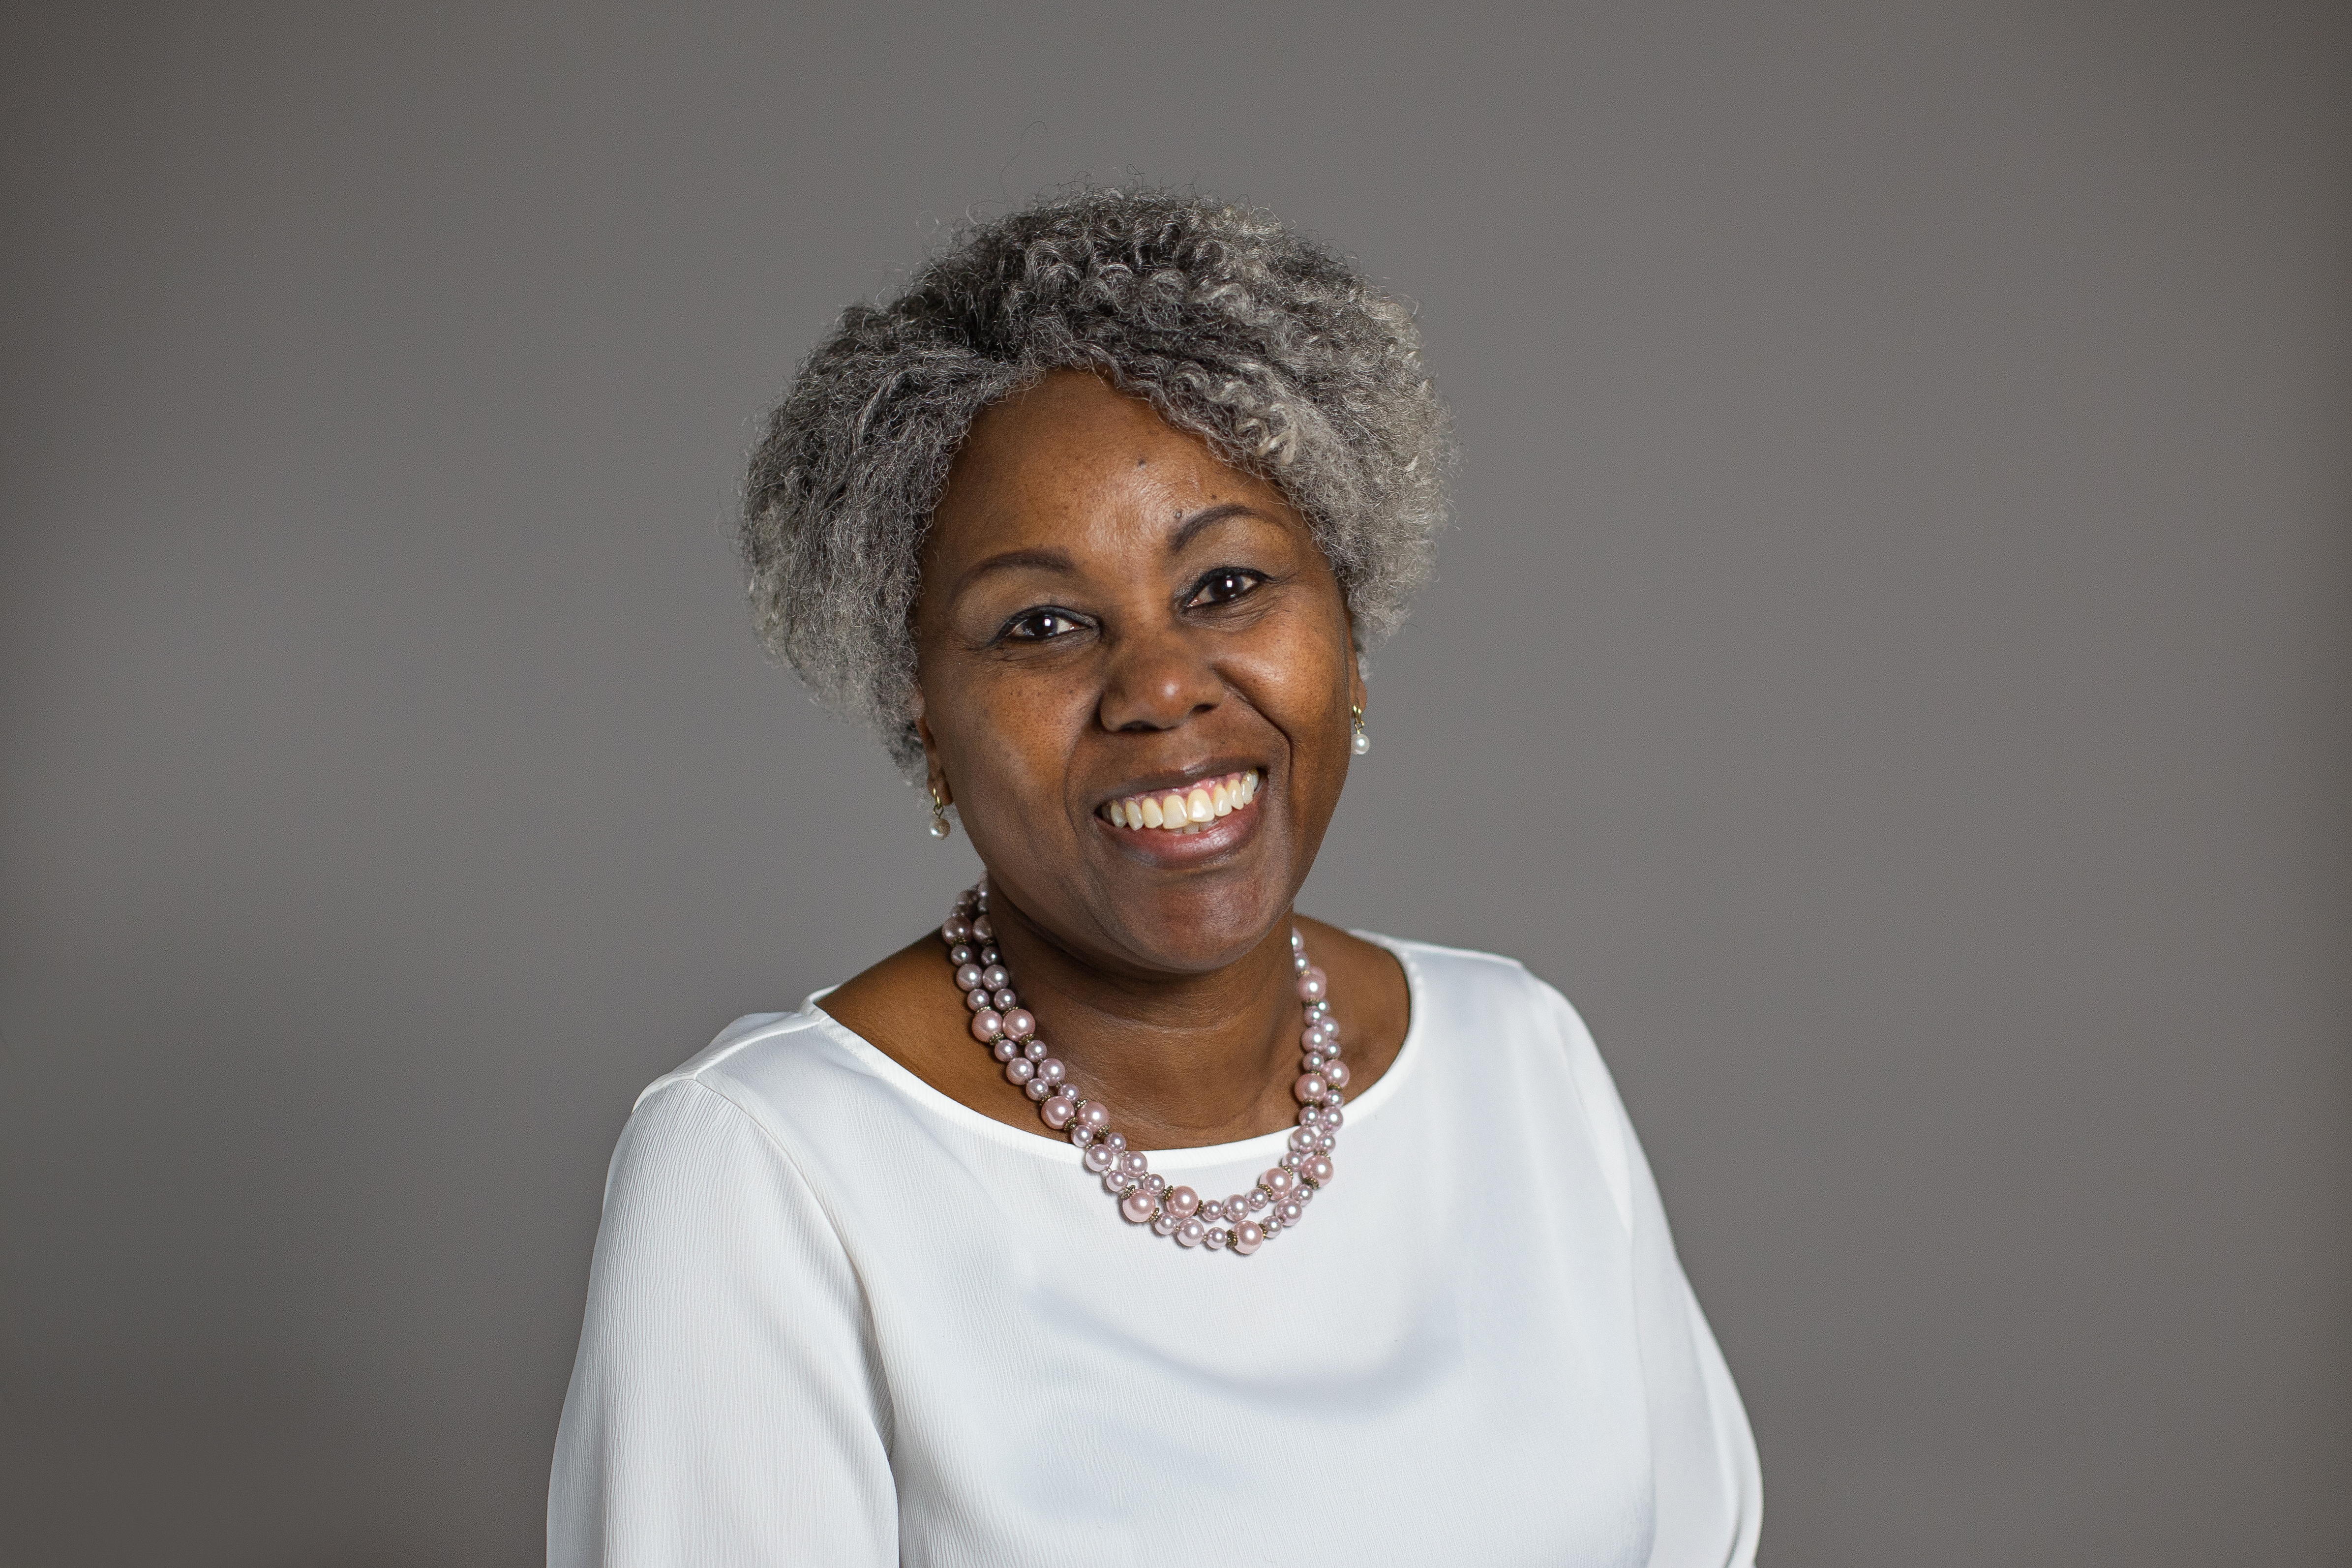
(1130, 1218)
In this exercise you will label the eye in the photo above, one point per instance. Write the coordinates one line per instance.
(1224, 586)
(1040, 625)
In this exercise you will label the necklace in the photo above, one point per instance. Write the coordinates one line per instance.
(1283, 1193)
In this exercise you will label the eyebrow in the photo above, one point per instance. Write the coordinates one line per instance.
(1187, 530)
(1045, 560)
(1010, 560)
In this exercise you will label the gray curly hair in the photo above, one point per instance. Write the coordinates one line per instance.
(1263, 342)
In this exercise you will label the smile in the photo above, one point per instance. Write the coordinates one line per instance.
(1186, 810)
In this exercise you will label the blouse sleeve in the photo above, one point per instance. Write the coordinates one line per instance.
(1709, 1488)
(721, 1409)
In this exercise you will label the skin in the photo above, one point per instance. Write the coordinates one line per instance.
(1107, 607)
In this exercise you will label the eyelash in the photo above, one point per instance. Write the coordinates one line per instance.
(1251, 582)
(1012, 632)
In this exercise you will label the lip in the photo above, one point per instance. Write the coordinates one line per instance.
(1181, 778)
(1213, 841)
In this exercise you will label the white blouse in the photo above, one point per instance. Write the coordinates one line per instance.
(835, 1318)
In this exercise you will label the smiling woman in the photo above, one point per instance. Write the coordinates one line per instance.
(1111, 612)
(1093, 524)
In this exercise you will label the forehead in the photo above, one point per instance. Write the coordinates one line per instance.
(1070, 459)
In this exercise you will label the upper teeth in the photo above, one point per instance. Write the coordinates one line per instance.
(1180, 809)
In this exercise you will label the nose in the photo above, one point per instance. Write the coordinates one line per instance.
(1157, 682)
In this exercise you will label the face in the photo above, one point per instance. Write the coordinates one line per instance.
(1110, 614)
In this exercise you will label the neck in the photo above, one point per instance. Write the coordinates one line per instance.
(1182, 1060)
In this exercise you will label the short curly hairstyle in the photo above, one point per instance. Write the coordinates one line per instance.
(1265, 342)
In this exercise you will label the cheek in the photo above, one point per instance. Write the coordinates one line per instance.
(1299, 670)
(1012, 729)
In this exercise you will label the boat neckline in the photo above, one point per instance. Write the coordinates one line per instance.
(1050, 1146)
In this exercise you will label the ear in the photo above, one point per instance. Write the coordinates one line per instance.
(1357, 692)
(934, 775)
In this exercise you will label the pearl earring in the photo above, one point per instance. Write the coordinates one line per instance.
(939, 828)
(1362, 743)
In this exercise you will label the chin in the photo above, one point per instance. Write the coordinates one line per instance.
(1193, 922)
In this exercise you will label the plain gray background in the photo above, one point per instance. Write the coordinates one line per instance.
(1891, 669)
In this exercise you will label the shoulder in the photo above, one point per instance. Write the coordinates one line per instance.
(770, 1079)
(1530, 1033)
(1452, 990)
(1449, 980)
(752, 1051)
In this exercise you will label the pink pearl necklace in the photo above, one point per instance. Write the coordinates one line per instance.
(1001, 1023)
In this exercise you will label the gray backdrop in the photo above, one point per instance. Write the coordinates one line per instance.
(1891, 669)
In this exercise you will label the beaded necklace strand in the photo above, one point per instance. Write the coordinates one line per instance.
(1281, 1195)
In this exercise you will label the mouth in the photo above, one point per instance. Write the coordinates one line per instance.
(1182, 810)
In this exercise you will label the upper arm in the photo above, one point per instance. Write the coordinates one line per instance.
(723, 1405)
(1709, 1498)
